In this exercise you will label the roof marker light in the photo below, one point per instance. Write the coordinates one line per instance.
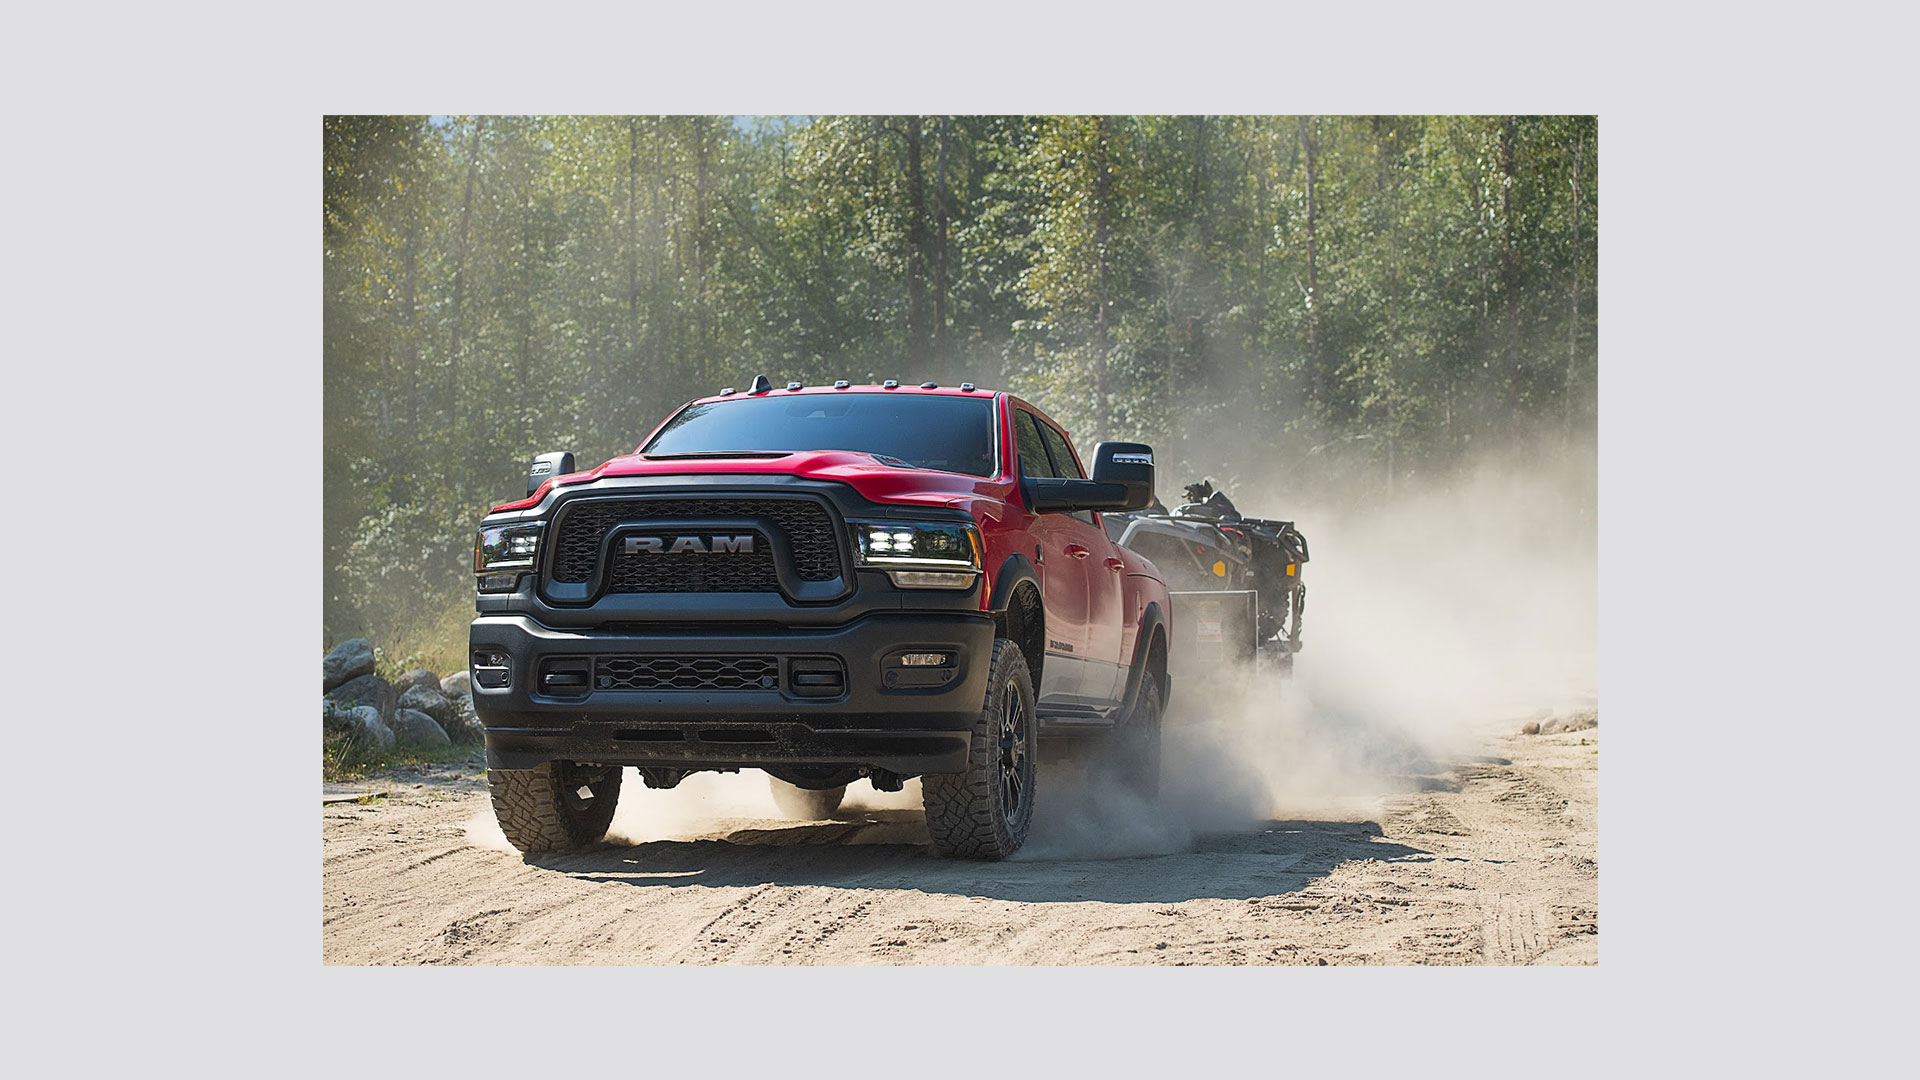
(840, 384)
(966, 388)
(890, 384)
(929, 385)
(727, 391)
(793, 386)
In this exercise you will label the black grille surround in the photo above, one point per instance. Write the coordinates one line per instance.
(686, 672)
(584, 524)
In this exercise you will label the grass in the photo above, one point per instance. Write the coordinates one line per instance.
(435, 639)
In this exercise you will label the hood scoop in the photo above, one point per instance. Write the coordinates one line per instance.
(720, 455)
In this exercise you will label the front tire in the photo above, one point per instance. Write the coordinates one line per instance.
(555, 806)
(803, 804)
(984, 812)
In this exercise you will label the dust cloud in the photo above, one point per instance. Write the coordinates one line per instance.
(1459, 607)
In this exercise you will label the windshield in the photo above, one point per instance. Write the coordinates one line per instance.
(950, 433)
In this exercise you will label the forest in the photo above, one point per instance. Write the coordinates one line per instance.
(1352, 300)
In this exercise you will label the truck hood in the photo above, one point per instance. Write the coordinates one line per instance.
(874, 478)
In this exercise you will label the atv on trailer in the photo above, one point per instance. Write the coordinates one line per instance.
(1236, 582)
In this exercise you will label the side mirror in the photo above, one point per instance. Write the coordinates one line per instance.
(547, 466)
(1129, 465)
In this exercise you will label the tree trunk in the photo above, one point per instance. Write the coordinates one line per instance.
(941, 344)
(656, 228)
(633, 245)
(410, 313)
(916, 254)
(459, 306)
(1102, 229)
(1199, 161)
(1316, 373)
(700, 254)
(1573, 294)
(1510, 283)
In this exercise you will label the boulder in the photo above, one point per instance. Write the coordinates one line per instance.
(418, 729)
(369, 730)
(457, 685)
(335, 717)
(465, 728)
(365, 690)
(349, 660)
(429, 700)
(417, 677)
(462, 718)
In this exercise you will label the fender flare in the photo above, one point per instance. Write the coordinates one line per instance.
(1153, 618)
(1012, 572)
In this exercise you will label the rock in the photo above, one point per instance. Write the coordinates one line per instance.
(462, 724)
(1531, 728)
(465, 728)
(365, 690)
(369, 730)
(427, 699)
(335, 717)
(417, 677)
(418, 729)
(462, 708)
(349, 660)
(457, 685)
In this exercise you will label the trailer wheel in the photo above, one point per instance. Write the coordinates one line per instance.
(984, 812)
(554, 806)
(803, 804)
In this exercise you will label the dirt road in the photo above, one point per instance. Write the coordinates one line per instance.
(1482, 858)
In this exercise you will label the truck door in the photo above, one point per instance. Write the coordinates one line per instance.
(1063, 578)
(1100, 677)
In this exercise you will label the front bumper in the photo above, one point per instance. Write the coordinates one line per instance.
(866, 721)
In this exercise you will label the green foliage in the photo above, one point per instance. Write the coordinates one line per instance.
(1351, 297)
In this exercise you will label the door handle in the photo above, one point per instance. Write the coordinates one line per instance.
(1077, 551)
(1116, 565)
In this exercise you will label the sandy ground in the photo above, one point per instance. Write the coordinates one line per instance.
(1488, 857)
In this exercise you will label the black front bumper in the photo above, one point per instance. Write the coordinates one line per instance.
(865, 722)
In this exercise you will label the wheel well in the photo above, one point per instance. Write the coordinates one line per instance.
(1024, 623)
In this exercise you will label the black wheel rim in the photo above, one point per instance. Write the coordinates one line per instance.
(1016, 756)
(574, 777)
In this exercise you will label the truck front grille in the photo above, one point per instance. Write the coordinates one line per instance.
(721, 572)
(804, 524)
(686, 673)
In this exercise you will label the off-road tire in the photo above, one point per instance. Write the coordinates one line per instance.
(974, 814)
(540, 809)
(803, 804)
(1136, 746)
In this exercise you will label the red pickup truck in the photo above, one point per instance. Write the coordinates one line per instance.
(825, 583)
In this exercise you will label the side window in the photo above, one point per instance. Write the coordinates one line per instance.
(1064, 465)
(1033, 451)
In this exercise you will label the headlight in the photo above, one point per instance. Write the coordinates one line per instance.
(501, 553)
(920, 554)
